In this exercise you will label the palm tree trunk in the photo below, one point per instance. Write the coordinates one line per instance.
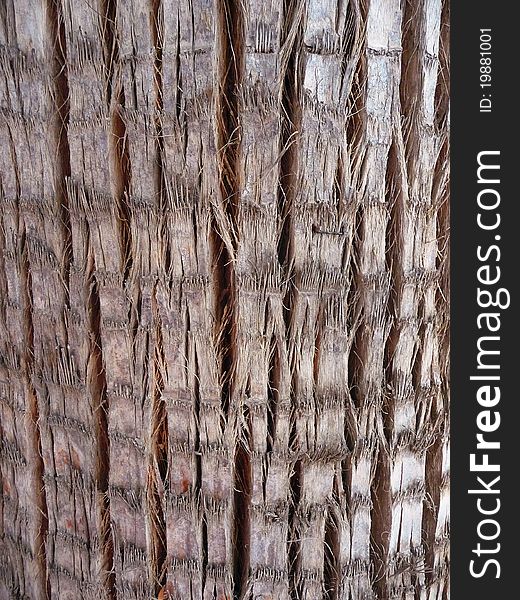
(224, 282)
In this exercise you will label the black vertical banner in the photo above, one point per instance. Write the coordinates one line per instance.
(485, 245)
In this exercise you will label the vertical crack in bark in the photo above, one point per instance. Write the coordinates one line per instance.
(157, 26)
(159, 445)
(381, 516)
(353, 71)
(119, 154)
(157, 31)
(121, 182)
(355, 364)
(442, 92)
(197, 485)
(354, 134)
(381, 519)
(110, 49)
(98, 392)
(291, 122)
(232, 52)
(159, 441)
(293, 545)
(228, 144)
(272, 397)
(355, 131)
(242, 508)
(32, 423)
(332, 567)
(61, 123)
(204, 551)
(434, 487)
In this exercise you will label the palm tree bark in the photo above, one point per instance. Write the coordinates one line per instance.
(224, 282)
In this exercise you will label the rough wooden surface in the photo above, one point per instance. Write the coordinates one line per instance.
(224, 299)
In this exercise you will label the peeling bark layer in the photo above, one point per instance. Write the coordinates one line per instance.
(224, 298)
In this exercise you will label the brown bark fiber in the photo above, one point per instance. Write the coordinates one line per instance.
(224, 299)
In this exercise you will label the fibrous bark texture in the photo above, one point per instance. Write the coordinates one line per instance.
(224, 297)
